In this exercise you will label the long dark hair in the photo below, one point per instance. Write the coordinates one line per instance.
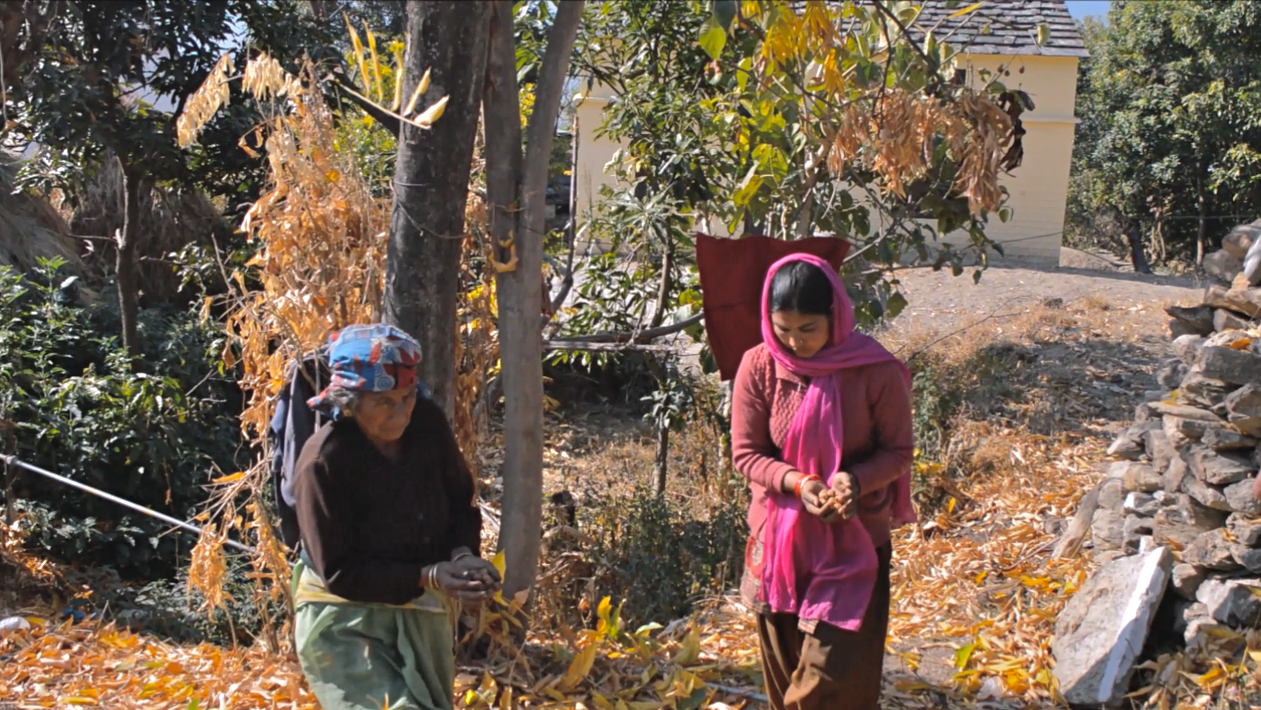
(802, 287)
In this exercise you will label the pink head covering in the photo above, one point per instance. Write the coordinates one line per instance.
(816, 570)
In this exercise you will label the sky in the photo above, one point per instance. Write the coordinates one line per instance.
(1084, 8)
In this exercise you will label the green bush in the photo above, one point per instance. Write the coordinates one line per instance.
(150, 430)
(662, 555)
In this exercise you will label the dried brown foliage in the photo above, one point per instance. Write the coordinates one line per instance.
(897, 136)
(321, 241)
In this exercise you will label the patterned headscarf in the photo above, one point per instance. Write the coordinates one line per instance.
(370, 358)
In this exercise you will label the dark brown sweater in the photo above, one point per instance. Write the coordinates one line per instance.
(369, 525)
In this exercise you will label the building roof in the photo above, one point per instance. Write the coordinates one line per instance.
(1005, 27)
(998, 26)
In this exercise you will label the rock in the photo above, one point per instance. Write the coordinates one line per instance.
(1141, 504)
(1181, 411)
(1144, 412)
(1187, 613)
(1146, 544)
(1187, 348)
(1243, 409)
(1211, 551)
(1130, 444)
(1203, 632)
(1107, 529)
(1230, 601)
(1222, 266)
(13, 625)
(1198, 319)
(1176, 473)
(1186, 579)
(1245, 530)
(1241, 500)
(1103, 628)
(1111, 493)
(1229, 320)
(1159, 450)
(1252, 264)
(1135, 529)
(1171, 374)
(1177, 329)
(1183, 432)
(1226, 338)
(1243, 300)
(1183, 523)
(1236, 367)
(1206, 495)
(1220, 439)
(1248, 557)
(1219, 469)
(1137, 476)
(1239, 239)
(1199, 391)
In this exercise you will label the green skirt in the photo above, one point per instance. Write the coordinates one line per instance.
(374, 656)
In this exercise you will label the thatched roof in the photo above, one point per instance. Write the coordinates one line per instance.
(30, 229)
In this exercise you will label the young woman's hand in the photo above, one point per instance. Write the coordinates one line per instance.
(845, 495)
(818, 499)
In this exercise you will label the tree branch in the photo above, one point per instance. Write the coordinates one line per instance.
(582, 345)
(387, 120)
(640, 337)
(542, 127)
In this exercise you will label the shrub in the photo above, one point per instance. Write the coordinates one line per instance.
(150, 431)
(662, 554)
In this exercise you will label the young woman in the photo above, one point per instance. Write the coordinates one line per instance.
(390, 534)
(821, 428)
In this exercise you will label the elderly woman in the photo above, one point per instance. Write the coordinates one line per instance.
(821, 428)
(390, 534)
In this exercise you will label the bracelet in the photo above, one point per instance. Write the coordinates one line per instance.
(801, 481)
(432, 577)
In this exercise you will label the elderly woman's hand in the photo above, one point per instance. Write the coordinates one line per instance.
(448, 577)
(473, 567)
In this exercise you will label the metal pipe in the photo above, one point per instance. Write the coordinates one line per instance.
(15, 461)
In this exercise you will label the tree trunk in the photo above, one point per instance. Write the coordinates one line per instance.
(664, 286)
(431, 176)
(125, 260)
(1202, 232)
(517, 209)
(661, 461)
(1134, 235)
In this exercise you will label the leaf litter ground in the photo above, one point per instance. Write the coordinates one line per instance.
(976, 590)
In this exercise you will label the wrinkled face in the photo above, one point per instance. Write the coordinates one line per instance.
(802, 334)
(383, 416)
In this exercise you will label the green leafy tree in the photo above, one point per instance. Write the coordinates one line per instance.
(764, 119)
(91, 73)
(1169, 139)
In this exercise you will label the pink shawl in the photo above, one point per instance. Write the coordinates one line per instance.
(812, 569)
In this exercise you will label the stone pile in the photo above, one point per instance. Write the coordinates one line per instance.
(1178, 500)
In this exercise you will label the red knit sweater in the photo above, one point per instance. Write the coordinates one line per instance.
(878, 446)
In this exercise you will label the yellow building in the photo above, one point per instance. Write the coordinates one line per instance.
(1000, 33)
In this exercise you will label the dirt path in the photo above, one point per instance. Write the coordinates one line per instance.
(938, 299)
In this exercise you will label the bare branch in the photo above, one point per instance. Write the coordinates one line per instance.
(581, 345)
(640, 337)
(389, 121)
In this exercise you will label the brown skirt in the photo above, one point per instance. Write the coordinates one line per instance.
(829, 668)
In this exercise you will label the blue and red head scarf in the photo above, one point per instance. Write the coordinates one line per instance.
(370, 358)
